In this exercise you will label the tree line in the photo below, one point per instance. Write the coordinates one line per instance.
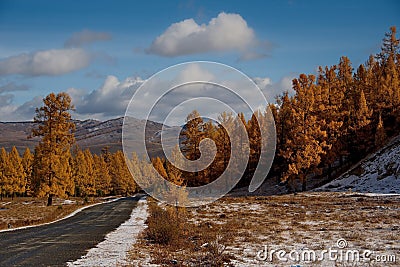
(80, 174)
(331, 120)
(339, 115)
(58, 167)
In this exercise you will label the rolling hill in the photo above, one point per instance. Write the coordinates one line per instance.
(91, 134)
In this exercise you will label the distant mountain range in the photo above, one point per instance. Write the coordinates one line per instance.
(91, 134)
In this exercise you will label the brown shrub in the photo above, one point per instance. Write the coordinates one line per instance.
(163, 226)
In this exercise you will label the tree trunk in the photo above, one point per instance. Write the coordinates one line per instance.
(329, 172)
(304, 184)
(290, 187)
(50, 200)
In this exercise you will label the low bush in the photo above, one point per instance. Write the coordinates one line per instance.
(164, 226)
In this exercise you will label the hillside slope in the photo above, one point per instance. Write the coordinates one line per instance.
(91, 134)
(377, 173)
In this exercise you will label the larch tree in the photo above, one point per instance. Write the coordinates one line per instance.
(254, 133)
(388, 87)
(4, 172)
(380, 134)
(308, 140)
(83, 174)
(147, 172)
(210, 131)
(283, 115)
(27, 163)
(329, 106)
(241, 145)
(193, 133)
(102, 176)
(52, 170)
(134, 163)
(223, 142)
(121, 179)
(390, 45)
(158, 165)
(91, 181)
(179, 196)
(17, 173)
(363, 112)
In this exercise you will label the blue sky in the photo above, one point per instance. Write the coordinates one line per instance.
(101, 51)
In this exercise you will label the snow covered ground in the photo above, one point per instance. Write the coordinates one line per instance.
(307, 223)
(114, 249)
(379, 173)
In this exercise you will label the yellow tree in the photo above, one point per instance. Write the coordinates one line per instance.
(101, 176)
(389, 80)
(121, 179)
(27, 163)
(147, 173)
(329, 100)
(4, 171)
(134, 163)
(178, 196)
(254, 133)
(17, 173)
(390, 46)
(223, 142)
(380, 134)
(208, 174)
(159, 166)
(52, 170)
(193, 133)
(83, 174)
(283, 115)
(307, 142)
(363, 115)
(90, 182)
(240, 147)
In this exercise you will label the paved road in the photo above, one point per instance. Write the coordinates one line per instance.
(66, 240)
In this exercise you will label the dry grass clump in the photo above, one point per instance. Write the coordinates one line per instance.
(172, 239)
(164, 226)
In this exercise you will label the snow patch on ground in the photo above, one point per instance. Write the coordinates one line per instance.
(378, 174)
(113, 250)
(69, 202)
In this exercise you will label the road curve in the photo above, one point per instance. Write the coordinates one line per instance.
(66, 240)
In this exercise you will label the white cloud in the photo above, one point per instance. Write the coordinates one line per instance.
(272, 89)
(226, 32)
(110, 100)
(222, 86)
(47, 62)
(85, 37)
(12, 86)
(13, 112)
(194, 72)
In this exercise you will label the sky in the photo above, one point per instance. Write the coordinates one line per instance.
(101, 52)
